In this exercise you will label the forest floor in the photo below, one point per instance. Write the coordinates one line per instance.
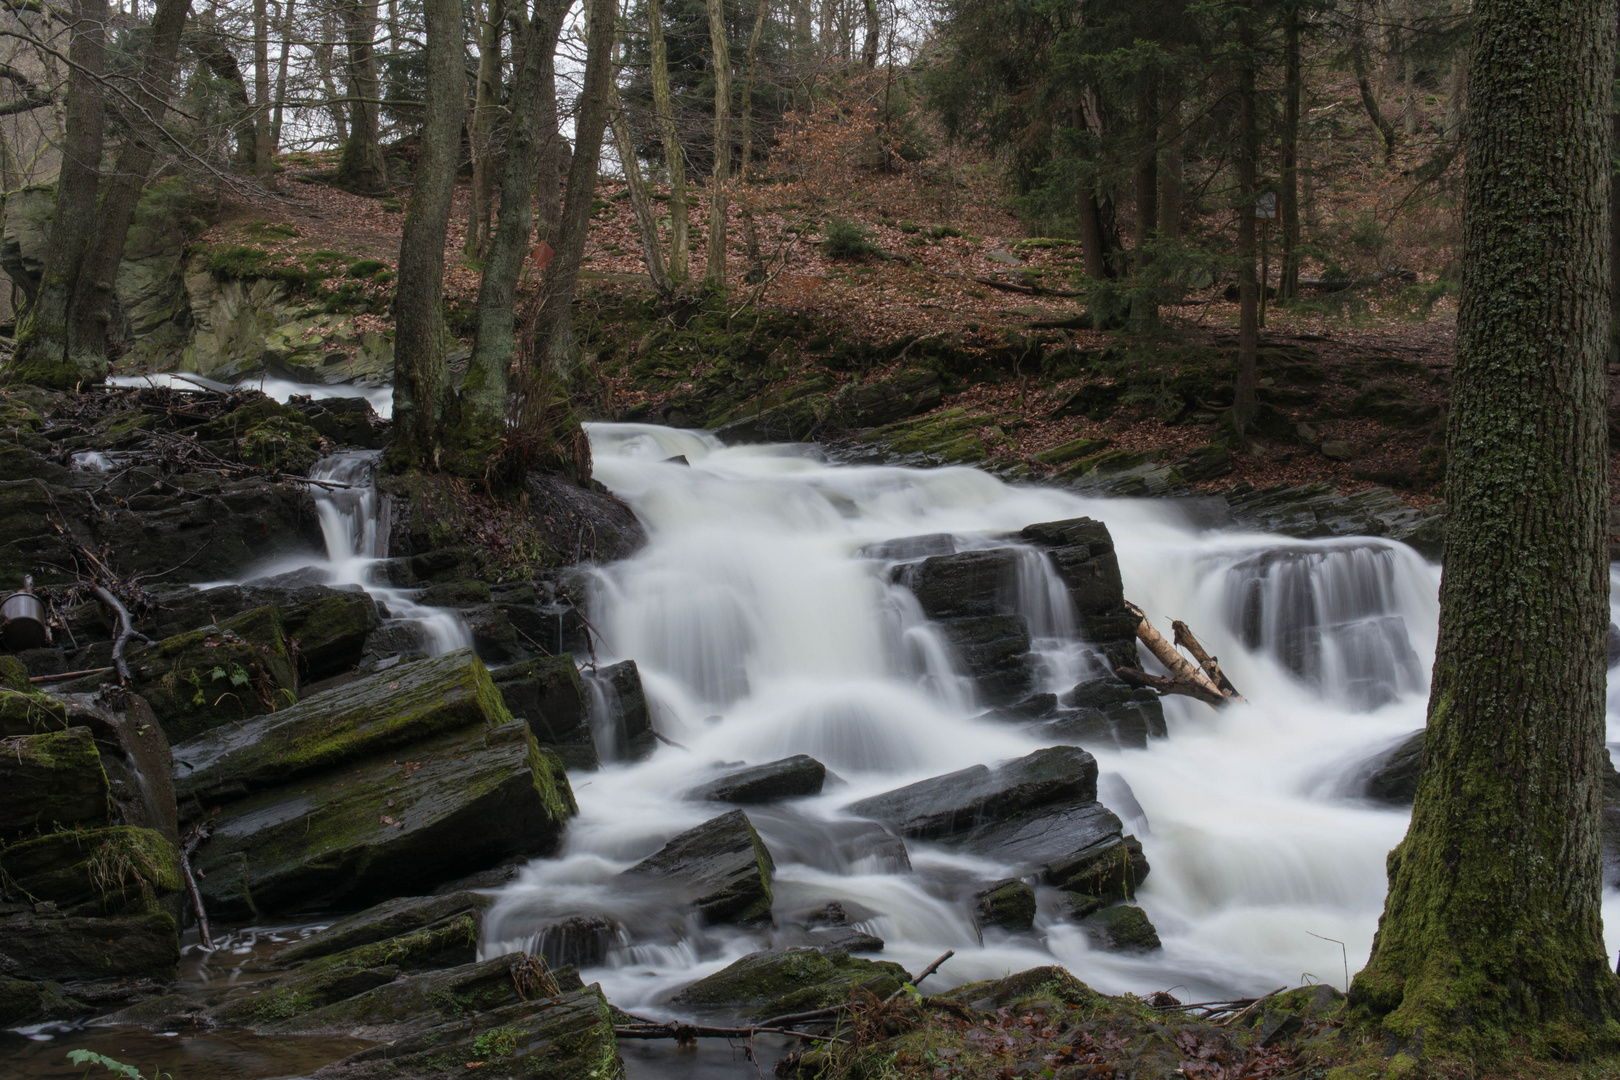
(1364, 373)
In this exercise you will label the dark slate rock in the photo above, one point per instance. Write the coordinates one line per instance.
(722, 867)
(331, 624)
(845, 938)
(959, 801)
(580, 940)
(780, 981)
(1082, 553)
(389, 919)
(1009, 904)
(785, 779)
(969, 583)
(348, 421)
(1108, 713)
(1396, 772)
(548, 694)
(625, 715)
(909, 547)
(1121, 928)
(1310, 511)
(63, 949)
(993, 650)
(49, 780)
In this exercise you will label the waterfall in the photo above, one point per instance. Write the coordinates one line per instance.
(769, 616)
(350, 513)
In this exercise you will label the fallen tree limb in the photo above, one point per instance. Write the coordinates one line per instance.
(126, 629)
(70, 675)
(683, 1033)
(187, 846)
(1161, 685)
(1186, 678)
(1210, 664)
(1344, 283)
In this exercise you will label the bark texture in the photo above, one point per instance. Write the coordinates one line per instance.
(1245, 389)
(715, 272)
(674, 159)
(1288, 190)
(362, 167)
(1492, 926)
(420, 377)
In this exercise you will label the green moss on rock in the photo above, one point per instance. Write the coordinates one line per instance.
(49, 780)
(120, 869)
(779, 981)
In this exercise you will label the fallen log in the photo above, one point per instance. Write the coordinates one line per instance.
(1210, 664)
(188, 847)
(1341, 284)
(1186, 678)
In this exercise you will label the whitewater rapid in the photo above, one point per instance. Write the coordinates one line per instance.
(760, 633)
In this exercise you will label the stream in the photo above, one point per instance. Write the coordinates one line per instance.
(762, 630)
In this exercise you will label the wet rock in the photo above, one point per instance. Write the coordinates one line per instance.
(1309, 511)
(948, 437)
(788, 778)
(1051, 982)
(909, 547)
(1108, 713)
(348, 421)
(779, 981)
(722, 867)
(456, 594)
(1082, 553)
(1123, 473)
(285, 1000)
(993, 651)
(623, 708)
(968, 583)
(389, 919)
(51, 780)
(396, 823)
(581, 940)
(24, 1000)
(845, 938)
(215, 675)
(1395, 776)
(1121, 928)
(1079, 846)
(331, 632)
(959, 801)
(569, 1037)
(495, 639)
(64, 948)
(119, 870)
(548, 695)
(583, 523)
(1034, 707)
(388, 712)
(1009, 904)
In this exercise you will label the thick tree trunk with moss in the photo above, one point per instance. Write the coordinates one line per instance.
(420, 377)
(674, 158)
(362, 168)
(554, 329)
(1492, 928)
(42, 340)
(484, 390)
(720, 179)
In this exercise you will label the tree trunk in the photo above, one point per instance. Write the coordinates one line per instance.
(281, 73)
(674, 159)
(42, 354)
(481, 125)
(262, 153)
(323, 63)
(1171, 191)
(554, 331)
(1244, 403)
(211, 50)
(1144, 308)
(1458, 98)
(132, 167)
(756, 265)
(1492, 927)
(362, 167)
(874, 31)
(652, 248)
(715, 273)
(1288, 196)
(1358, 62)
(420, 377)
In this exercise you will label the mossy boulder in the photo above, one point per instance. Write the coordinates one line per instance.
(391, 919)
(949, 437)
(399, 1007)
(1051, 983)
(446, 943)
(1073, 450)
(567, 1037)
(26, 712)
(1008, 904)
(780, 981)
(1121, 928)
(116, 870)
(51, 780)
(216, 675)
(386, 713)
(397, 823)
(44, 946)
(1123, 473)
(721, 867)
(13, 674)
(289, 998)
(330, 633)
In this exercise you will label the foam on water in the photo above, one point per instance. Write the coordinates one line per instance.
(761, 633)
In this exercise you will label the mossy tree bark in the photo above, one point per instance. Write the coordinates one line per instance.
(362, 167)
(1492, 928)
(420, 377)
(530, 128)
(42, 347)
(1245, 383)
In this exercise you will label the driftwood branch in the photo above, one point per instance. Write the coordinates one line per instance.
(1186, 678)
(70, 675)
(126, 629)
(187, 847)
(1211, 665)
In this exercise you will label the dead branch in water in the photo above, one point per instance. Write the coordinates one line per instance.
(1204, 681)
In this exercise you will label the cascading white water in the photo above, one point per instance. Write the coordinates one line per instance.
(760, 633)
(351, 524)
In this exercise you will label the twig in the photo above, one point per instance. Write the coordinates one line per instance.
(685, 1032)
(1229, 1021)
(666, 740)
(126, 629)
(69, 675)
(1346, 957)
(187, 846)
(927, 971)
